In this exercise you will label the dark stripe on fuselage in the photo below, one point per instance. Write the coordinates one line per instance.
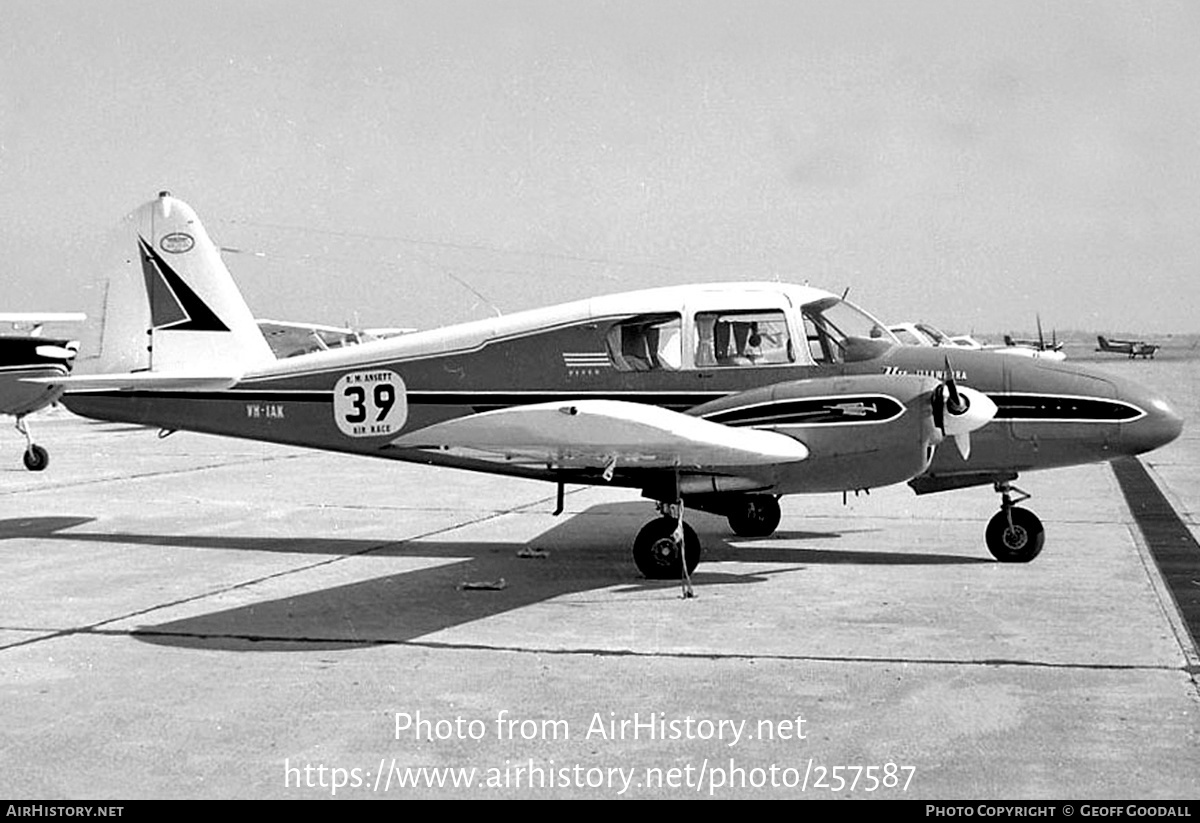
(805, 411)
(1052, 408)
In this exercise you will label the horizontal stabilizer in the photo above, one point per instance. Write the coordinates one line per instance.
(601, 433)
(140, 381)
(35, 318)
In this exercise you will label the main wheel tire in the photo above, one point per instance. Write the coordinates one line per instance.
(657, 555)
(1018, 543)
(755, 515)
(36, 458)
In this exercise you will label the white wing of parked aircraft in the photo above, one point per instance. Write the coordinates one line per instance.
(291, 339)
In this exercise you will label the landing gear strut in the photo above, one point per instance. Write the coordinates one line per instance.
(1014, 535)
(35, 458)
(754, 515)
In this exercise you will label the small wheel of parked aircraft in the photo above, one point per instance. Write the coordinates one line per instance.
(657, 554)
(755, 515)
(1015, 535)
(36, 458)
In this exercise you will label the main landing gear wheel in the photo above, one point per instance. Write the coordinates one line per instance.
(755, 515)
(1015, 535)
(36, 458)
(656, 552)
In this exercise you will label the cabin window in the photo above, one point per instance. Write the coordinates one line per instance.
(647, 343)
(742, 338)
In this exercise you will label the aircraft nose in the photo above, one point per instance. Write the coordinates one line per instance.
(1160, 426)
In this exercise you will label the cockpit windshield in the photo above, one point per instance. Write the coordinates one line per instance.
(839, 332)
(939, 337)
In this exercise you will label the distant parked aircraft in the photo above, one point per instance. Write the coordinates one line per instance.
(26, 355)
(1133, 348)
(1039, 347)
(289, 339)
(923, 334)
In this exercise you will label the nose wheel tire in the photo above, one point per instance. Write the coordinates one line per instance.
(1015, 535)
(757, 515)
(657, 554)
(36, 458)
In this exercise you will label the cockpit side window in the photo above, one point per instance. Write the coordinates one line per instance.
(838, 332)
(742, 338)
(821, 345)
(647, 343)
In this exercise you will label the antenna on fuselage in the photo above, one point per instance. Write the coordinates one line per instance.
(845, 292)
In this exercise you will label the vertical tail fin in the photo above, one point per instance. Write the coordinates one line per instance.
(171, 304)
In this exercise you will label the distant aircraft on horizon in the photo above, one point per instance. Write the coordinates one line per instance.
(1133, 348)
(923, 334)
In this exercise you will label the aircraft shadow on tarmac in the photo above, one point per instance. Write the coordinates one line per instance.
(587, 551)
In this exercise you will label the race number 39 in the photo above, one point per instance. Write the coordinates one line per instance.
(370, 403)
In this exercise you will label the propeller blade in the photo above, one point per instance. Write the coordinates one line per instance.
(963, 442)
(955, 403)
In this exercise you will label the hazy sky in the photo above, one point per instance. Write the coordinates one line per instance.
(964, 163)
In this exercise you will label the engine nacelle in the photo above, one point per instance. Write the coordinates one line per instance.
(862, 431)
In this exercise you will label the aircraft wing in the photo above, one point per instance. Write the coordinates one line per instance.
(288, 339)
(34, 321)
(603, 434)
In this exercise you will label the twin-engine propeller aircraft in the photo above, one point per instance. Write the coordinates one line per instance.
(1133, 348)
(715, 397)
(30, 355)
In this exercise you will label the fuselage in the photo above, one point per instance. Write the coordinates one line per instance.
(825, 372)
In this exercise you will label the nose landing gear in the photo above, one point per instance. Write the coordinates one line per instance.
(1014, 534)
(35, 458)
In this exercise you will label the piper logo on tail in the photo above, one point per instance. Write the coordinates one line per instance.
(177, 242)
